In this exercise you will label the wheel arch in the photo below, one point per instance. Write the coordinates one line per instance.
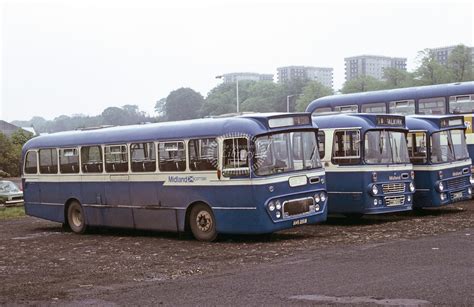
(66, 208)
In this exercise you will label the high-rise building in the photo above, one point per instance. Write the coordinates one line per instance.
(324, 75)
(232, 77)
(371, 65)
(442, 53)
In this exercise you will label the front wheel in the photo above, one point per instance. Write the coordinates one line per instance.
(203, 223)
(76, 218)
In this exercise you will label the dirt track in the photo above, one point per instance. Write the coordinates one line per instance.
(41, 263)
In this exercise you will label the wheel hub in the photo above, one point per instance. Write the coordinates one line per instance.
(204, 221)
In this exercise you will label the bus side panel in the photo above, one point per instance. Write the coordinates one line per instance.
(347, 191)
(148, 213)
(117, 194)
(31, 192)
(92, 193)
(49, 192)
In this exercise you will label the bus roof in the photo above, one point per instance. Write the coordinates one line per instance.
(430, 91)
(433, 123)
(251, 124)
(362, 120)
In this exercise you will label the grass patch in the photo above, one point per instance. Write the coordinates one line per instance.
(11, 212)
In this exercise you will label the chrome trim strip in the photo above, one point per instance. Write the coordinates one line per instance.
(234, 208)
(345, 192)
(151, 207)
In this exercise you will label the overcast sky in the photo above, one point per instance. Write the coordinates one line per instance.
(70, 57)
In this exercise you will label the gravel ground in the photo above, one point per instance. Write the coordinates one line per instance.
(39, 262)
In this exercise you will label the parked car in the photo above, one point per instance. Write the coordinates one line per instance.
(10, 194)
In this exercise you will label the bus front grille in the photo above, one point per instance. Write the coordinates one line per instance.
(458, 183)
(394, 200)
(297, 206)
(393, 188)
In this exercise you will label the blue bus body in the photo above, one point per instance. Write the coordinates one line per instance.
(453, 176)
(350, 186)
(440, 99)
(162, 200)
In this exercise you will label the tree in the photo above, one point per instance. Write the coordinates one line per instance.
(114, 116)
(222, 98)
(429, 70)
(10, 155)
(460, 64)
(397, 78)
(362, 84)
(262, 97)
(183, 103)
(313, 90)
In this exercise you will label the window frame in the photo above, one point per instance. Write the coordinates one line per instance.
(37, 162)
(130, 156)
(101, 155)
(358, 158)
(450, 98)
(185, 156)
(236, 171)
(372, 104)
(400, 101)
(425, 100)
(216, 157)
(61, 150)
(340, 108)
(323, 134)
(427, 146)
(121, 153)
(57, 161)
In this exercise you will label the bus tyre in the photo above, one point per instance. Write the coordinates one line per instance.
(203, 223)
(76, 218)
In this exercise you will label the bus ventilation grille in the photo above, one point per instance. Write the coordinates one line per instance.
(393, 188)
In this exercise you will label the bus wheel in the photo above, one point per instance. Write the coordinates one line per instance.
(203, 223)
(76, 218)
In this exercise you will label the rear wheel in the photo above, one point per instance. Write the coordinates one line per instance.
(203, 223)
(76, 218)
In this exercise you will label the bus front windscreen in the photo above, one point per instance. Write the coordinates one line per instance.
(449, 145)
(286, 152)
(385, 147)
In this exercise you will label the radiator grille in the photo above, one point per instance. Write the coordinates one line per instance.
(297, 206)
(458, 183)
(393, 188)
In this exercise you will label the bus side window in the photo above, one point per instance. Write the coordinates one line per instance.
(461, 104)
(31, 163)
(172, 157)
(322, 110)
(417, 147)
(48, 161)
(202, 154)
(236, 160)
(347, 109)
(116, 159)
(68, 161)
(432, 106)
(346, 147)
(143, 157)
(321, 144)
(379, 107)
(91, 159)
(403, 107)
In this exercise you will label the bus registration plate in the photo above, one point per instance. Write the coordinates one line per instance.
(300, 222)
(457, 195)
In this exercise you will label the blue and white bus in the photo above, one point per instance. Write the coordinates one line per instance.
(242, 175)
(453, 98)
(438, 152)
(368, 169)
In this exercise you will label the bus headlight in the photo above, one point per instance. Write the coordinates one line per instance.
(278, 205)
(374, 190)
(271, 206)
(278, 214)
(412, 175)
(316, 207)
(322, 196)
(409, 198)
(469, 191)
(317, 198)
(375, 202)
(440, 186)
(442, 196)
(412, 187)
